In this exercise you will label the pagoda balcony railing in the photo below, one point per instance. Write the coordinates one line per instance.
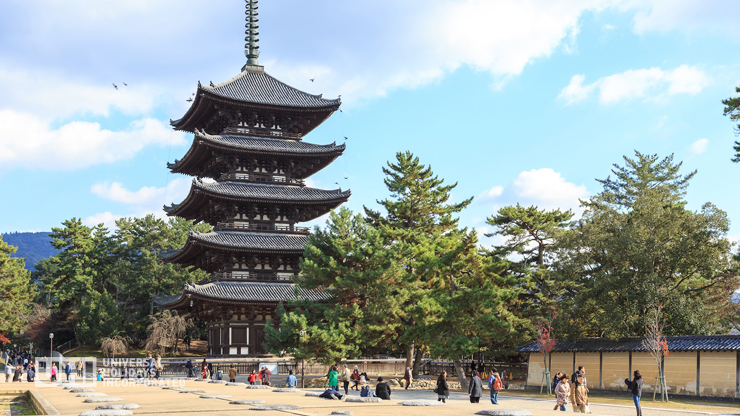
(250, 277)
(248, 177)
(280, 228)
(263, 132)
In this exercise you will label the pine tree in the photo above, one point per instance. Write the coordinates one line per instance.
(16, 290)
(417, 210)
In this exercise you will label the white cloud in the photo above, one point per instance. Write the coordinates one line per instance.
(147, 196)
(542, 187)
(699, 147)
(143, 201)
(651, 83)
(492, 193)
(710, 16)
(106, 218)
(52, 97)
(32, 143)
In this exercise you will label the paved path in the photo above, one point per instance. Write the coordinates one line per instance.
(158, 401)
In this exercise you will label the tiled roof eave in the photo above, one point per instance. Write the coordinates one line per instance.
(275, 200)
(225, 100)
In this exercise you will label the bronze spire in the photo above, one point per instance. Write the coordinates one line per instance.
(251, 30)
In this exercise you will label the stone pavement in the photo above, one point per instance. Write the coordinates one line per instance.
(156, 400)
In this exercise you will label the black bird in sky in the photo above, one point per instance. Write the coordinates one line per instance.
(124, 84)
(190, 100)
(312, 79)
(115, 86)
(345, 137)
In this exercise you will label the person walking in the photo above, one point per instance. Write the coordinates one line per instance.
(232, 374)
(53, 372)
(189, 367)
(580, 396)
(203, 368)
(494, 385)
(8, 371)
(149, 366)
(356, 378)
(266, 373)
(578, 380)
(475, 390)
(31, 373)
(18, 376)
(333, 380)
(408, 377)
(157, 365)
(562, 393)
(383, 390)
(635, 386)
(78, 367)
(67, 370)
(291, 380)
(555, 381)
(443, 388)
(345, 378)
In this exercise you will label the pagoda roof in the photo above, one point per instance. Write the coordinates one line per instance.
(258, 87)
(253, 88)
(238, 292)
(201, 192)
(238, 241)
(203, 144)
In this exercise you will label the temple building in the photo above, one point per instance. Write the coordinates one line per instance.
(250, 164)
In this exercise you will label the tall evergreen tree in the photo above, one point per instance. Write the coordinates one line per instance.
(350, 262)
(637, 248)
(527, 256)
(16, 290)
(732, 109)
(419, 207)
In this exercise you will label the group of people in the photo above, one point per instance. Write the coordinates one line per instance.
(571, 389)
(475, 387)
(574, 390)
(360, 382)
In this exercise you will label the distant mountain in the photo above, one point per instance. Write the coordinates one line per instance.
(31, 246)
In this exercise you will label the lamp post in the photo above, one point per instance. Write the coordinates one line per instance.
(302, 334)
(51, 349)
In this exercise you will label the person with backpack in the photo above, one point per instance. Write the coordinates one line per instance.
(266, 373)
(495, 385)
(443, 388)
(635, 386)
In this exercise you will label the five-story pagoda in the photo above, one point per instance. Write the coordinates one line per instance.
(248, 143)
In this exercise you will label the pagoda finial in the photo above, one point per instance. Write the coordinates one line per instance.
(251, 30)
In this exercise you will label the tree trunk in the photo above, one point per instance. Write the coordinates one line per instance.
(461, 375)
(419, 355)
(410, 355)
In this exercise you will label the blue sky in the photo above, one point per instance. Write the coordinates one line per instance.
(518, 101)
